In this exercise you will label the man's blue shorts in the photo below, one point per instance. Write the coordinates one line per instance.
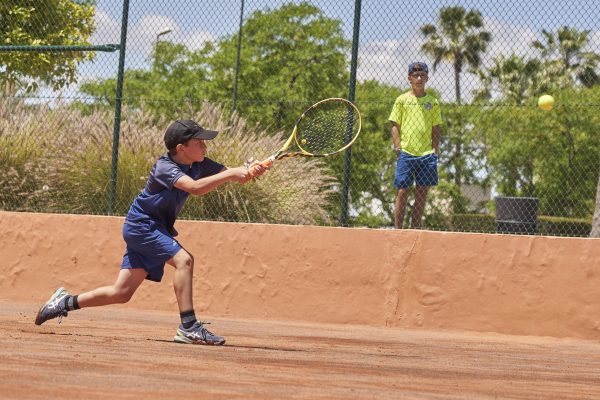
(419, 169)
(149, 246)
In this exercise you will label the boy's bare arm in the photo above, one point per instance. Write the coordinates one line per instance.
(436, 133)
(395, 131)
(205, 185)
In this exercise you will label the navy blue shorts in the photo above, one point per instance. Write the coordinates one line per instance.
(149, 246)
(421, 170)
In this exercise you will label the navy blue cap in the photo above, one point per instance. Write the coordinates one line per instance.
(417, 66)
(181, 131)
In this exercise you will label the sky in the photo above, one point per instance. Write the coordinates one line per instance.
(390, 36)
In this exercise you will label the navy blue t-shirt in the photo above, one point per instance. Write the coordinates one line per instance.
(160, 201)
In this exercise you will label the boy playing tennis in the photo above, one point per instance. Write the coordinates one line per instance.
(149, 231)
(416, 120)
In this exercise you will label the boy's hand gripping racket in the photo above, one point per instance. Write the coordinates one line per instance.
(325, 128)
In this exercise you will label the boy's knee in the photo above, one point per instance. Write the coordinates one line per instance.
(186, 262)
(123, 295)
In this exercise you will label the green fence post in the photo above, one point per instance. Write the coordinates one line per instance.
(351, 93)
(237, 59)
(119, 94)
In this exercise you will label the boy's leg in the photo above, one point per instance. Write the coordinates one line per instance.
(182, 279)
(190, 331)
(400, 209)
(403, 180)
(417, 213)
(62, 302)
(426, 175)
(120, 292)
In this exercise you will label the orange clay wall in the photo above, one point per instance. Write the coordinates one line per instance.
(525, 285)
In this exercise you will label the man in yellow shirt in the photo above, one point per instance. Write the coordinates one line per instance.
(416, 120)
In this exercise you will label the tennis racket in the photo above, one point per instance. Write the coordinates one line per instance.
(325, 128)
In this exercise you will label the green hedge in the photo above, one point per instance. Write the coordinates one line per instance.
(558, 226)
(548, 226)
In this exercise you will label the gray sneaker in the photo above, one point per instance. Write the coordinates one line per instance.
(55, 307)
(197, 334)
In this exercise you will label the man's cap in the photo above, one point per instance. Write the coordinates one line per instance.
(181, 131)
(418, 66)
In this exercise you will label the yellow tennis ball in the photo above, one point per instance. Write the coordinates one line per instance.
(303, 141)
(546, 102)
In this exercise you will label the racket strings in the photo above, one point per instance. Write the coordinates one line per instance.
(328, 127)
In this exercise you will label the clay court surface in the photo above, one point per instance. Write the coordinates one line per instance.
(116, 352)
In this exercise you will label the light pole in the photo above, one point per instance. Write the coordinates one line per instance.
(162, 33)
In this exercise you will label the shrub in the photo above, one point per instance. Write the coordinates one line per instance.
(60, 161)
(484, 223)
(557, 226)
(547, 226)
(22, 155)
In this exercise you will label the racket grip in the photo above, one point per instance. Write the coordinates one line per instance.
(268, 163)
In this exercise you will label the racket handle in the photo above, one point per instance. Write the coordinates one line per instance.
(268, 163)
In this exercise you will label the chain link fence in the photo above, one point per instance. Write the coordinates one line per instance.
(504, 164)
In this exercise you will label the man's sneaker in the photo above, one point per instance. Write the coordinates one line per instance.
(197, 334)
(55, 307)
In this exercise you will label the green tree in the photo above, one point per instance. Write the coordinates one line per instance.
(291, 57)
(43, 22)
(176, 79)
(563, 63)
(459, 39)
(550, 155)
(564, 57)
(373, 158)
(462, 154)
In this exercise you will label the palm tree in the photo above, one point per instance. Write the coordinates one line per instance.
(565, 58)
(514, 78)
(459, 39)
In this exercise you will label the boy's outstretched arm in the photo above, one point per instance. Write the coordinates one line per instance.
(202, 186)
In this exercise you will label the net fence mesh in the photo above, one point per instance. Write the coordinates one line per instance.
(504, 165)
